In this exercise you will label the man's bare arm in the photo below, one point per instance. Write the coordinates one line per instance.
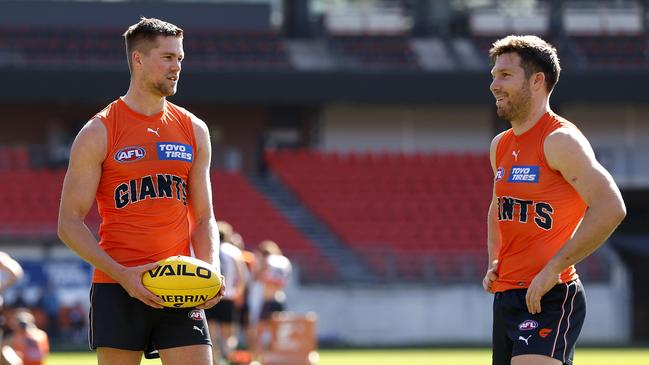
(78, 194)
(569, 152)
(204, 232)
(493, 233)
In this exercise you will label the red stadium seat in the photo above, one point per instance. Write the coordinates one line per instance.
(251, 214)
(214, 48)
(29, 209)
(413, 205)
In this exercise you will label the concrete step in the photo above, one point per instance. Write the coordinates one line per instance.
(349, 265)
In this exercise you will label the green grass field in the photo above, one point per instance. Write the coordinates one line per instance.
(414, 357)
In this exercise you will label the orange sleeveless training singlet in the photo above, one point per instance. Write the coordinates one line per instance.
(538, 210)
(142, 193)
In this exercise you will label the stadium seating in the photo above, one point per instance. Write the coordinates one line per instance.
(372, 52)
(420, 211)
(14, 158)
(29, 207)
(564, 47)
(593, 52)
(60, 48)
(104, 48)
(615, 52)
(238, 49)
(251, 214)
(219, 49)
(29, 210)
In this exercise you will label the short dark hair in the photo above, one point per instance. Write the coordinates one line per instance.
(268, 247)
(225, 231)
(141, 35)
(536, 55)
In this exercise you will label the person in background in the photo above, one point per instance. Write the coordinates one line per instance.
(273, 272)
(244, 310)
(10, 273)
(31, 343)
(49, 303)
(223, 318)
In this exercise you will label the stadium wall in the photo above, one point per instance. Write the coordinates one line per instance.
(234, 129)
(121, 14)
(33, 123)
(234, 132)
(293, 87)
(618, 133)
(394, 128)
(620, 136)
(392, 315)
(361, 315)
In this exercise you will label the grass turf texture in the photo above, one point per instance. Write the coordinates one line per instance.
(584, 356)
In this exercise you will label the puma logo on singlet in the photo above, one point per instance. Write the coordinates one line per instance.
(525, 339)
(542, 211)
(198, 329)
(154, 131)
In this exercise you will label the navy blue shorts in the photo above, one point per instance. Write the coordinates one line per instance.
(223, 312)
(244, 315)
(119, 321)
(553, 332)
(269, 307)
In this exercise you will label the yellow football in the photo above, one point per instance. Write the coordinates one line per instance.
(182, 281)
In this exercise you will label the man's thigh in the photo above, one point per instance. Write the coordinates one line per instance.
(534, 360)
(179, 327)
(553, 332)
(501, 343)
(118, 321)
(112, 356)
(195, 355)
(121, 322)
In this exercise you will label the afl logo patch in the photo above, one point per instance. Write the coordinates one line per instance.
(528, 325)
(196, 315)
(500, 173)
(129, 154)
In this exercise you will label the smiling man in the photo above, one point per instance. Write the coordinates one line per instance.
(146, 161)
(553, 205)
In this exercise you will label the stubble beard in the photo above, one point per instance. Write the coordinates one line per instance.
(517, 107)
(163, 89)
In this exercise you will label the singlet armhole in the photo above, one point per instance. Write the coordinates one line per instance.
(186, 118)
(542, 157)
(499, 146)
(192, 131)
(109, 137)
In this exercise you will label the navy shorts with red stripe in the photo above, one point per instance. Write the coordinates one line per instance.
(553, 332)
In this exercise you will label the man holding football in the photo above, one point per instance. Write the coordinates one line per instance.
(146, 161)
